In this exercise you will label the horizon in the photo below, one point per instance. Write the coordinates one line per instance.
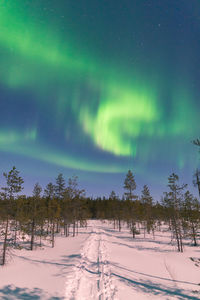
(157, 195)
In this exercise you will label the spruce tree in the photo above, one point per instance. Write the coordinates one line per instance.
(14, 185)
(191, 215)
(196, 180)
(173, 202)
(113, 195)
(37, 190)
(74, 196)
(34, 210)
(60, 186)
(147, 202)
(129, 186)
(49, 191)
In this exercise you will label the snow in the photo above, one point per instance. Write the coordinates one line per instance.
(92, 278)
(102, 263)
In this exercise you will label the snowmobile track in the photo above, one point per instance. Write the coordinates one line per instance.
(92, 277)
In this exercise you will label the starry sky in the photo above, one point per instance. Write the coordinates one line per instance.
(94, 88)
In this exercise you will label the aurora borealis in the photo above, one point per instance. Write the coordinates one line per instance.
(95, 88)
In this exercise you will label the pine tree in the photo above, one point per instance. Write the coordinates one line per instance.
(173, 201)
(59, 193)
(60, 186)
(113, 195)
(73, 196)
(54, 215)
(14, 185)
(147, 202)
(49, 191)
(37, 190)
(196, 180)
(129, 186)
(34, 207)
(115, 209)
(191, 215)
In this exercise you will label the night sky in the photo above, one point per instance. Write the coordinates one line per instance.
(96, 87)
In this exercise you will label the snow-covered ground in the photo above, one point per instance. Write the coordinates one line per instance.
(102, 263)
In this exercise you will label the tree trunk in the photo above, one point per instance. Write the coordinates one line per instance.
(194, 235)
(119, 224)
(133, 229)
(198, 182)
(57, 227)
(15, 238)
(32, 233)
(66, 230)
(68, 227)
(74, 229)
(5, 243)
(53, 235)
(48, 227)
(77, 228)
(144, 229)
(177, 235)
(41, 234)
(181, 240)
(153, 232)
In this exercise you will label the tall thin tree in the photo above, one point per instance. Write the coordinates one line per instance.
(196, 180)
(14, 185)
(129, 186)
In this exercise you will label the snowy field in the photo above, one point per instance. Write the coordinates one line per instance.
(102, 263)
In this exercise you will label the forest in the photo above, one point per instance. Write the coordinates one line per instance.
(62, 208)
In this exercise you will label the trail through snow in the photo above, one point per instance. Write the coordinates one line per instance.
(113, 265)
(102, 263)
(91, 278)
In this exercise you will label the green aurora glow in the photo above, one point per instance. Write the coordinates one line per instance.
(117, 111)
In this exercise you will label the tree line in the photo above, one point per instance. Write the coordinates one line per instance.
(26, 221)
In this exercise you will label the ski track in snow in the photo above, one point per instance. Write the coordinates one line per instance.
(170, 272)
(91, 278)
